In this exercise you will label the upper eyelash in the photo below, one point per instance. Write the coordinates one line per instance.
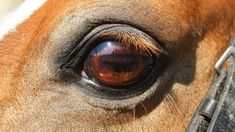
(140, 42)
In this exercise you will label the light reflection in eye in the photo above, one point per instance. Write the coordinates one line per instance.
(117, 64)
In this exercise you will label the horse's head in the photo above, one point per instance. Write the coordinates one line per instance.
(112, 65)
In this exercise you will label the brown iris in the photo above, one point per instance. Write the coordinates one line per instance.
(118, 64)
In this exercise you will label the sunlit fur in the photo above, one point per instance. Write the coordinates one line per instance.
(33, 97)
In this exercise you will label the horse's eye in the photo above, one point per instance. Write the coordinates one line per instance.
(118, 64)
(115, 66)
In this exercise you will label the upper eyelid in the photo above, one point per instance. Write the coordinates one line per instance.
(125, 34)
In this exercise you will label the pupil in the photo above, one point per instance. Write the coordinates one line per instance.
(119, 67)
(117, 64)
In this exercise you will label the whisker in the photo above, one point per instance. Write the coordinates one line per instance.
(145, 109)
(134, 114)
(173, 104)
(174, 107)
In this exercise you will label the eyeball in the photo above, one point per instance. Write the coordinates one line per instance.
(118, 64)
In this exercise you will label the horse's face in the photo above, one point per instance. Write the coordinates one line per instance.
(36, 93)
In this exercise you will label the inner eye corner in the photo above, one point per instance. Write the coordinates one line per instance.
(117, 63)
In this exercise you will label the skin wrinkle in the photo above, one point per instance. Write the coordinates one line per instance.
(27, 75)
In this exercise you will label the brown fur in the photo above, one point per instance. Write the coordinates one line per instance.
(194, 32)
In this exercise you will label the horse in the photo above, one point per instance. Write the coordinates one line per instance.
(52, 78)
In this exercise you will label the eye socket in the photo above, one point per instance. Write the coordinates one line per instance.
(118, 64)
(115, 66)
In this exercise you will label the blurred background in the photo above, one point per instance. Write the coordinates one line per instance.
(13, 12)
(7, 7)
